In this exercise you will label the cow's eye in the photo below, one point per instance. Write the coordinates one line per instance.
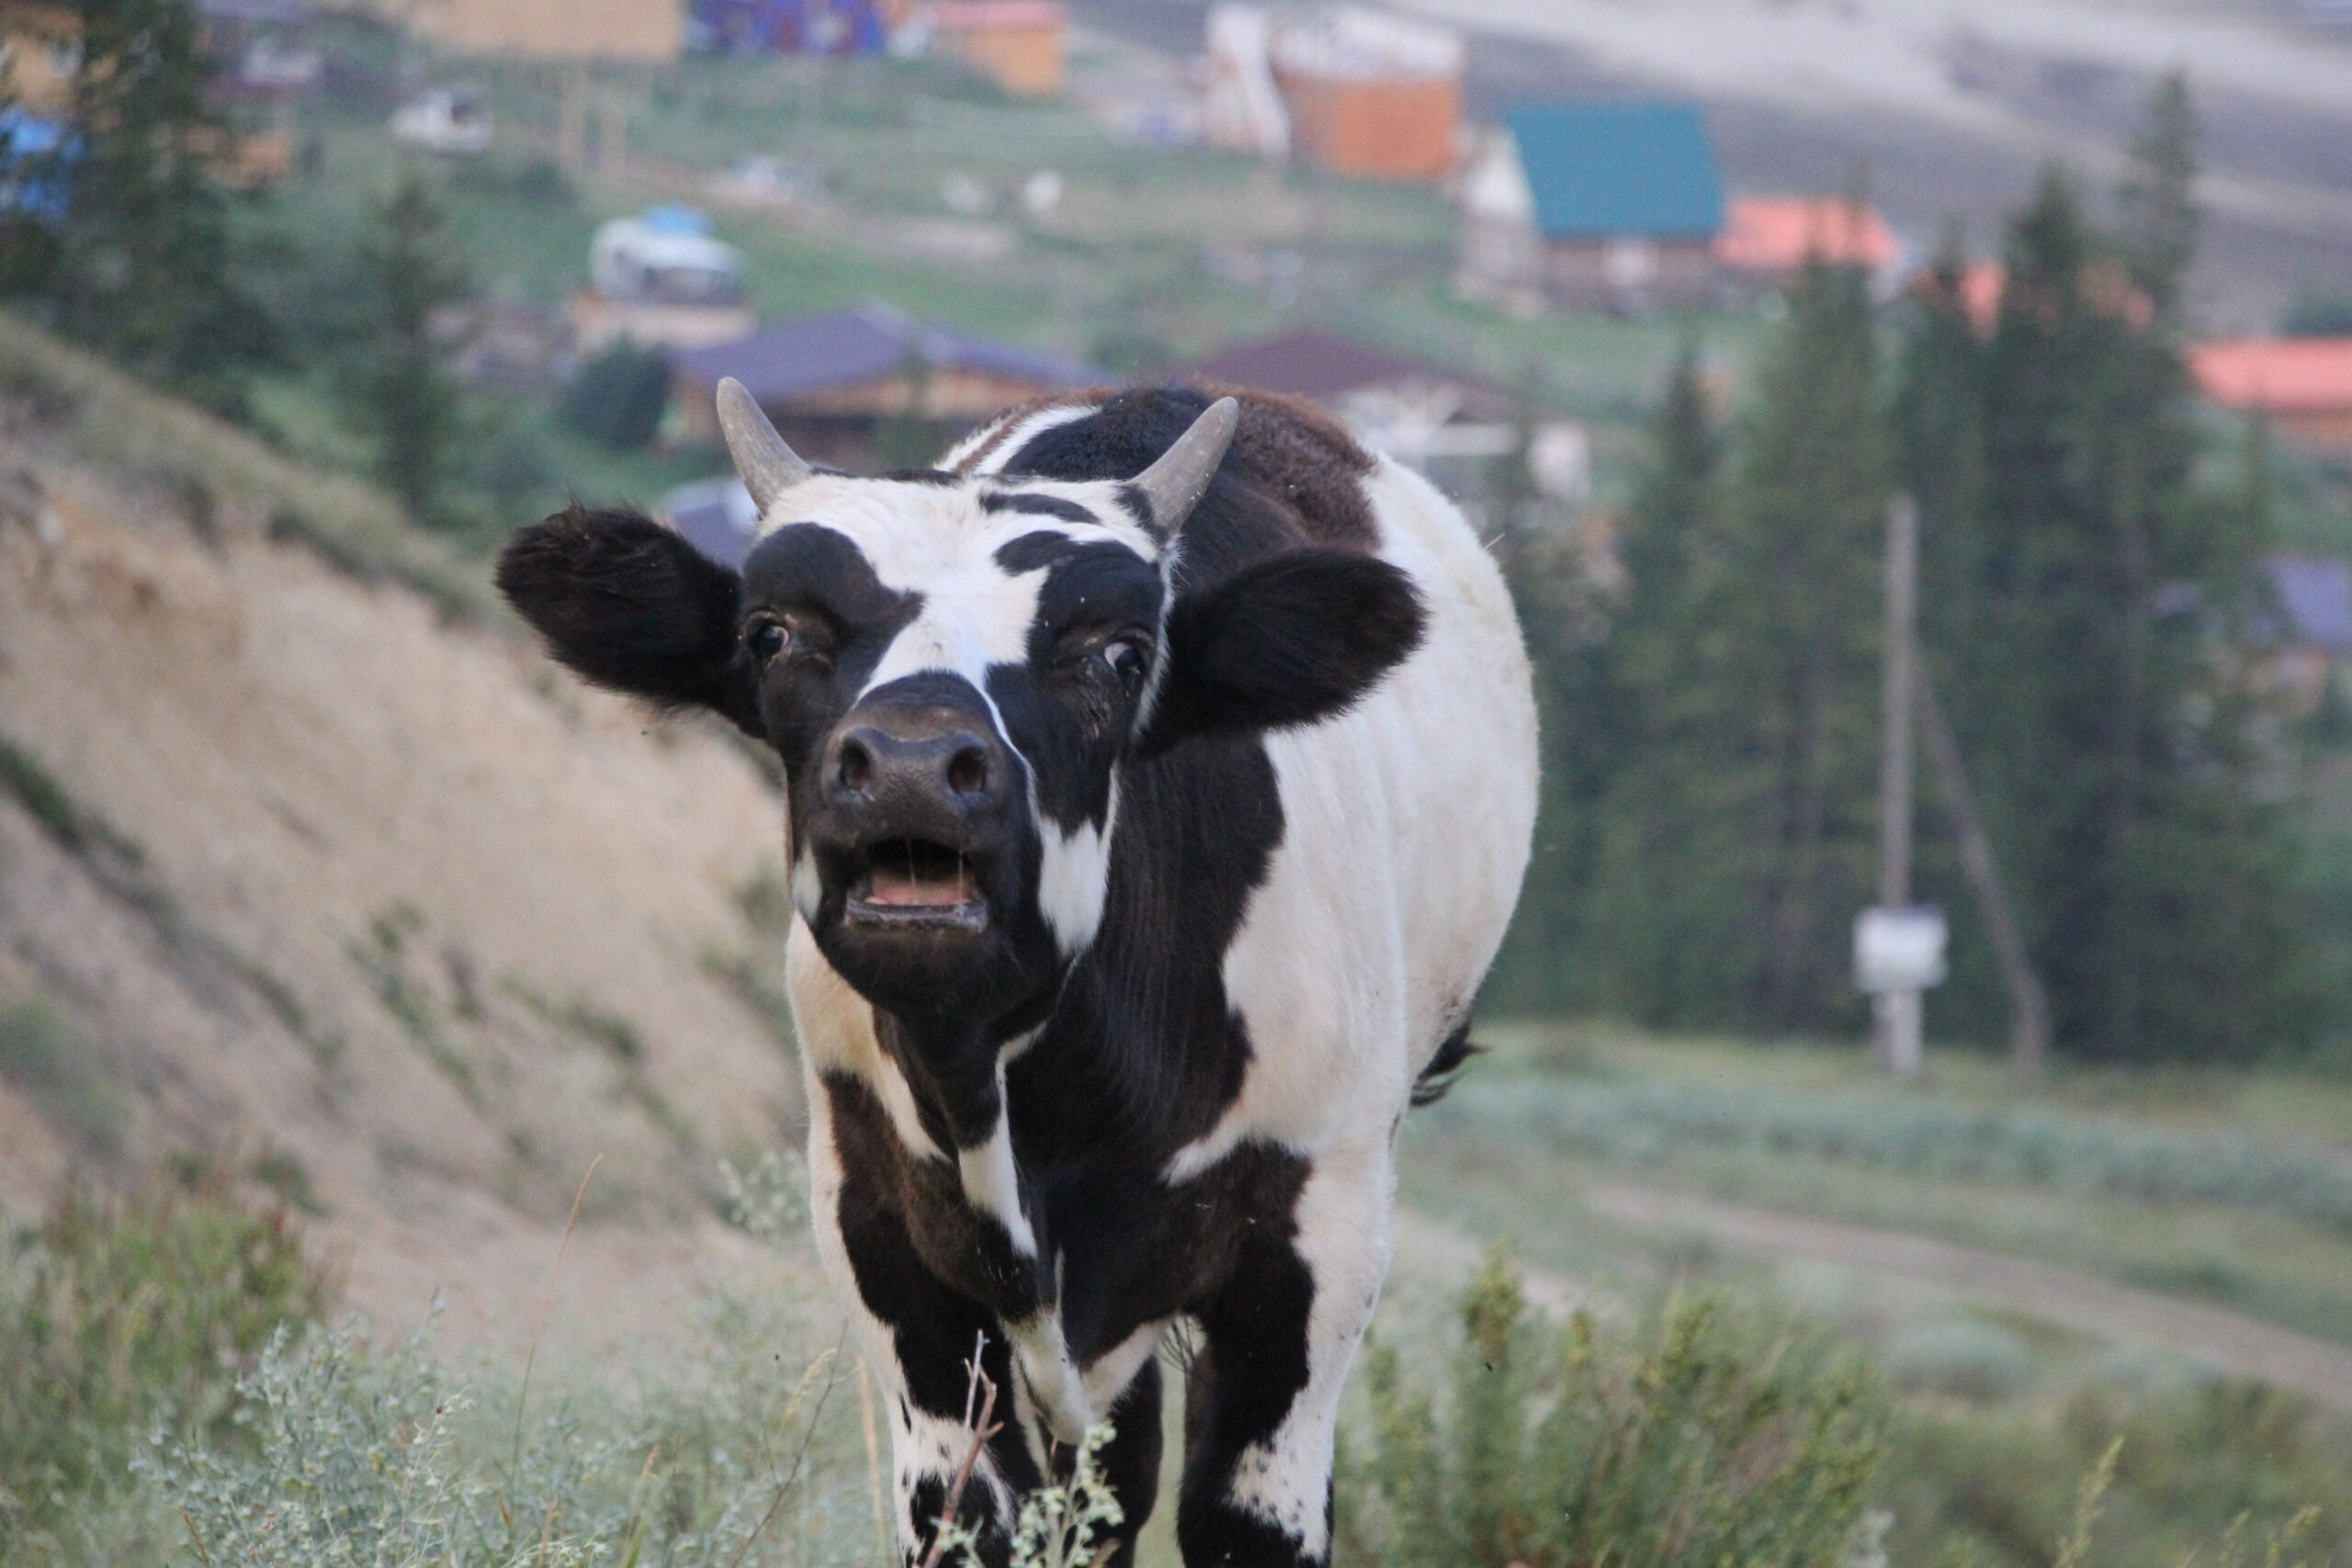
(1126, 657)
(768, 637)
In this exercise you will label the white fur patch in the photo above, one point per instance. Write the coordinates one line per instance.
(993, 1183)
(1074, 878)
(836, 1030)
(808, 887)
(1053, 1375)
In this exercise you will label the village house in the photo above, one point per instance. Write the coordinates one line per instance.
(1603, 203)
(2311, 637)
(646, 31)
(832, 382)
(795, 26)
(1767, 240)
(661, 278)
(1452, 425)
(2303, 386)
(1369, 95)
(1018, 44)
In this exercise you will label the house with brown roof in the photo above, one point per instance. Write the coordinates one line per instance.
(1452, 423)
(830, 382)
(2303, 384)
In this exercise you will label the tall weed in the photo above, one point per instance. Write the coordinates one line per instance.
(121, 1315)
(1704, 1436)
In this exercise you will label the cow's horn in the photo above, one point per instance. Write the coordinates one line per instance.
(769, 467)
(1176, 483)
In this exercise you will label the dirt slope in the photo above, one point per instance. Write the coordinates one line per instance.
(389, 900)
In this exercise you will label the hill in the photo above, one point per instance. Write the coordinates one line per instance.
(308, 864)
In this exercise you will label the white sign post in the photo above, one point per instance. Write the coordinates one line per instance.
(1899, 954)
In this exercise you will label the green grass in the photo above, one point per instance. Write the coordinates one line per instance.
(44, 1056)
(2226, 1187)
(121, 1318)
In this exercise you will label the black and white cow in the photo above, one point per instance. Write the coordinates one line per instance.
(1160, 779)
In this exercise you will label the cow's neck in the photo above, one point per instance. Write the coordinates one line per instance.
(950, 1067)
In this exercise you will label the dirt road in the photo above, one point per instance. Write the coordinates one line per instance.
(2225, 1341)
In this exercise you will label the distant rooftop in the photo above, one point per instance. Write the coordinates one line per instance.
(1780, 233)
(1309, 363)
(2314, 596)
(2305, 375)
(1610, 167)
(815, 353)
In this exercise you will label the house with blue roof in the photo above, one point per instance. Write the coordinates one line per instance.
(1610, 204)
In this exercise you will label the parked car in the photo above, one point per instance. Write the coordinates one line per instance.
(452, 121)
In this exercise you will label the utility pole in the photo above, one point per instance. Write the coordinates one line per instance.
(2028, 1003)
(1895, 1011)
(572, 120)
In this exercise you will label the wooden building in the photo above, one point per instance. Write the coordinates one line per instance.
(1017, 44)
(1600, 204)
(832, 382)
(2303, 384)
(1370, 95)
(651, 31)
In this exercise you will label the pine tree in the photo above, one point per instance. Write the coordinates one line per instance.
(2100, 688)
(2156, 204)
(141, 265)
(399, 394)
(1571, 614)
(1739, 844)
(1628, 951)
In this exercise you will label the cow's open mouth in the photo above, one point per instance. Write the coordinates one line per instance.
(913, 882)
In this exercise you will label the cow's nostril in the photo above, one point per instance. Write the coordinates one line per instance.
(855, 765)
(968, 771)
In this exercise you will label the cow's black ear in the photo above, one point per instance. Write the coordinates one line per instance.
(1286, 641)
(631, 606)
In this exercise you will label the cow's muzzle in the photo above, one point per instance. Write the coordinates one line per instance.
(915, 803)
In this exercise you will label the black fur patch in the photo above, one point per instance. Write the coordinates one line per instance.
(1283, 642)
(627, 604)
(1037, 505)
(1257, 1363)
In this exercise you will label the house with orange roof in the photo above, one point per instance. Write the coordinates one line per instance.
(2303, 384)
(1765, 239)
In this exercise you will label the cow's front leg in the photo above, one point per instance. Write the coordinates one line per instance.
(1128, 1464)
(918, 1332)
(928, 1333)
(1264, 1399)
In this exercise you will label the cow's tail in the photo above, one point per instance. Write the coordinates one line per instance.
(1439, 1075)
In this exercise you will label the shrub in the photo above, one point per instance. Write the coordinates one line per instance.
(2203, 1473)
(120, 1315)
(391, 1457)
(615, 399)
(1699, 1439)
(1960, 1356)
(43, 1055)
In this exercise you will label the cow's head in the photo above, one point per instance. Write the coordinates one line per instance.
(954, 670)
